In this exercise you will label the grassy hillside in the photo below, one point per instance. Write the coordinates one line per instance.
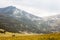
(54, 36)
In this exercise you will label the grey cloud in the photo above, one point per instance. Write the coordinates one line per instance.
(44, 4)
(48, 5)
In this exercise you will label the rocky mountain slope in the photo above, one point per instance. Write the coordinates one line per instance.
(14, 20)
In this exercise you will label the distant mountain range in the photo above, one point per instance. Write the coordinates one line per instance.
(15, 20)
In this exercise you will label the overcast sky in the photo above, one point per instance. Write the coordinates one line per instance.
(37, 7)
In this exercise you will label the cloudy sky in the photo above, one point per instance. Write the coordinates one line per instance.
(40, 8)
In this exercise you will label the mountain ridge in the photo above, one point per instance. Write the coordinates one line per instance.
(17, 20)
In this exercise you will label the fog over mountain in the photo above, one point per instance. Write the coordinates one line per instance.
(17, 20)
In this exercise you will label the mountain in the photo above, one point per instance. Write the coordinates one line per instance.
(16, 20)
(53, 22)
(13, 19)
